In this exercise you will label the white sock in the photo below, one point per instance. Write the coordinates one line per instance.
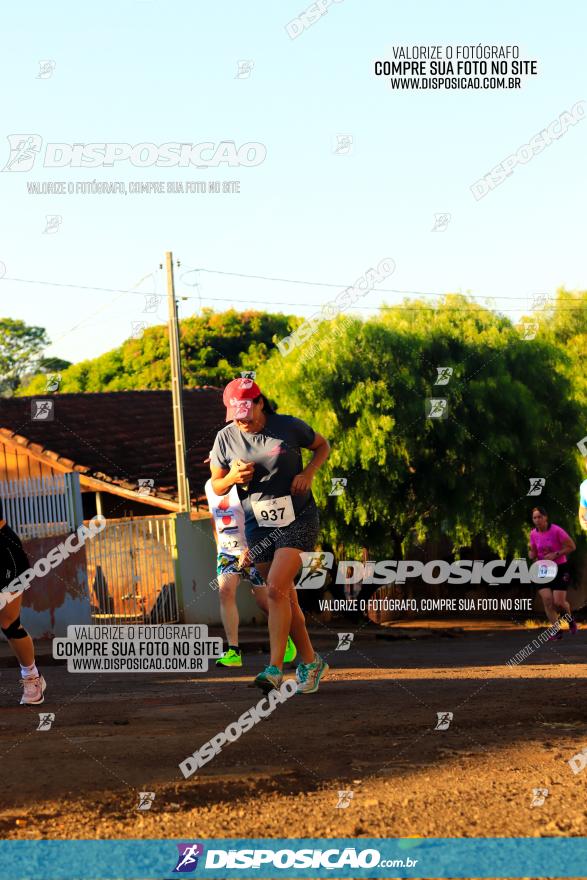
(29, 671)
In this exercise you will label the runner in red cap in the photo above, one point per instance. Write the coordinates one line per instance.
(259, 452)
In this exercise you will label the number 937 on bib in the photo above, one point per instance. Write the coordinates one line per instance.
(274, 511)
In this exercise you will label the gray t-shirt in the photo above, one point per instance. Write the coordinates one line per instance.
(275, 452)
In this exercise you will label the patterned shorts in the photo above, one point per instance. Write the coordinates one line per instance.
(301, 534)
(227, 564)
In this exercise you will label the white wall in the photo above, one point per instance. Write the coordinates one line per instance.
(196, 571)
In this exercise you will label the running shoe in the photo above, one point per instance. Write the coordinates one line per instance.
(308, 675)
(555, 637)
(290, 651)
(270, 679)
(33, 691)
(230, 658)
(573, 626)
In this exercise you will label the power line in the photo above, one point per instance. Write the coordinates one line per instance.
(134, 292)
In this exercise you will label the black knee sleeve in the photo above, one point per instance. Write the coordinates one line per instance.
(16, 630)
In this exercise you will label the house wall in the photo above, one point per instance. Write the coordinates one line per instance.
(196, 571)
(16, 464)
(58, 599)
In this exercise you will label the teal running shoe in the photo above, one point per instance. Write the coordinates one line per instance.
(270, 679)
(308, 675)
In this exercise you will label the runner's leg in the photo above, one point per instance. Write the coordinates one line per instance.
(560, 601)
(23, 648)
(548, 602)
(285, 614)
(227, 584)
(260, 595)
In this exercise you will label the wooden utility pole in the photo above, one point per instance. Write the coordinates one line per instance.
(183, 489)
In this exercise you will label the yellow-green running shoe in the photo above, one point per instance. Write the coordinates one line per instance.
(290, 651)
(230, 658)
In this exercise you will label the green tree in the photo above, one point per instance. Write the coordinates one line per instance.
(215, 346)
(412, 478)
(563, 321)
(20, 351)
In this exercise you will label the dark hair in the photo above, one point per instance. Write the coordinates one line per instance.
(541, 510)
(269, 408)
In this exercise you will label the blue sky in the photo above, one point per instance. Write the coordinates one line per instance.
(144, 71)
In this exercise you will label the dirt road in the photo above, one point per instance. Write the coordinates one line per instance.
(370, 730)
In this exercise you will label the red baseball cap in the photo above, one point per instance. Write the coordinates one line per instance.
(238, 399)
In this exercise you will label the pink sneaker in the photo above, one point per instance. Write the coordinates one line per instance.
(33, 691)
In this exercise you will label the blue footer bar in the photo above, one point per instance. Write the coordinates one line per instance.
(516, 857)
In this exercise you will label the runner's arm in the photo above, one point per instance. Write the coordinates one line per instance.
(568, 546)
(223, 480)
(583, 517)
(302, 482)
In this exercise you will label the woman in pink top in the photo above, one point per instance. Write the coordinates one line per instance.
(550, 542)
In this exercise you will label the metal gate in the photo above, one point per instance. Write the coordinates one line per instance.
(131, 573)
(39, 507)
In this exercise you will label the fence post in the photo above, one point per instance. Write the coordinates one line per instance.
(75, 511)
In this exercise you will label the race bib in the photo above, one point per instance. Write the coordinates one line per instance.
(274, 511)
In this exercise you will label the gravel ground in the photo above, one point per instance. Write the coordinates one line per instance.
(369, 730)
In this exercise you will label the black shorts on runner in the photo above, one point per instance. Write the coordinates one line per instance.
(301, 534)
(562, 580)
(13, 559)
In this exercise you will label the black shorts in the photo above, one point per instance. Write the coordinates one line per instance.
(13, 559)
(562, 580)
(301, 534)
